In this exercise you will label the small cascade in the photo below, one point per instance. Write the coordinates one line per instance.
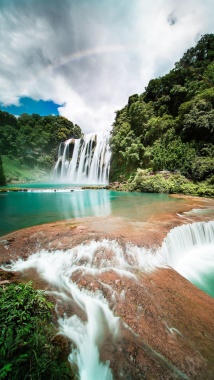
(189, 249)
(84, 161)
(86, 278)
(94, 323)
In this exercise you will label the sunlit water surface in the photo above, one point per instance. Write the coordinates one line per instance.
(48, 203)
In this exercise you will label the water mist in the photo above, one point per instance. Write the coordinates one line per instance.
(84, 161)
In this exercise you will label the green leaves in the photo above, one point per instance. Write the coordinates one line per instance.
(4, 371)
(34, 139)
(172, 154)
(170, 125)
(196, 118)
(166, 182)
(27, 350)
(2, 176)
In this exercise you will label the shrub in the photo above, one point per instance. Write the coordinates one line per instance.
(202, 167)
(166, 182)
(27, 350)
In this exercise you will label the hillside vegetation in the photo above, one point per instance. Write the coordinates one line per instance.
(2, 176)
(29, 144)
(162, 140)
(170, 128)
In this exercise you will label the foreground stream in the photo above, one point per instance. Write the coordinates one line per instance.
(129, 311)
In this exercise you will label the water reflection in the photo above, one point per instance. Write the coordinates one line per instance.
(84, 203)
(19, 210)
(43, 205)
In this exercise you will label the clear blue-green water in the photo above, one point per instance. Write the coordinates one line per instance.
(47, 203)
(43, 204)
(206, 283)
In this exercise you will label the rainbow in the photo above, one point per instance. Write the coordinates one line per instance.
(78, 55)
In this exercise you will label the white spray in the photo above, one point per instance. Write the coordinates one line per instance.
(58, 268)
(89, 162)
(94, 258)
(189, 249)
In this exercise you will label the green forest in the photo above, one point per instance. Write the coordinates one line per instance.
(29, 144)
(161, 141)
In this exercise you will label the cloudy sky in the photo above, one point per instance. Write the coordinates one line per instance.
(83, 58)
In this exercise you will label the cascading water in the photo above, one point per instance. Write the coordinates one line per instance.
(64, 270)
(79, 278)
(189, 250)
(84, 161)
(57, 268)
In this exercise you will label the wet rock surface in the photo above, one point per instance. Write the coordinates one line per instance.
(166, 323)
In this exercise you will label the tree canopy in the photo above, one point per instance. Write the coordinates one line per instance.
(170, 126)
(34, 139)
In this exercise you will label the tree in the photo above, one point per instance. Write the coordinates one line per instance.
(172, 154)
(196, 118)
(7, 119)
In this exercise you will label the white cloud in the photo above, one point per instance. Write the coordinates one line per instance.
(91, 55)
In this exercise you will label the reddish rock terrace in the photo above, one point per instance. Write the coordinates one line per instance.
(171, 322)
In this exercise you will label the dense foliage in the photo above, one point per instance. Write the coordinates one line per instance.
(33, 140)
(2, 176)
(171, 125)
(166, 182)
(27, 349)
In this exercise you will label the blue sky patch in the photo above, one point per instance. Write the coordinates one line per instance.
(30, 106)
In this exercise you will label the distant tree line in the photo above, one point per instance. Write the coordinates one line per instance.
(33, 140)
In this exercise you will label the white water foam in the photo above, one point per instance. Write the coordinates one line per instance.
(94, 258)
(187, 249)
(89, 162)
(57, 269)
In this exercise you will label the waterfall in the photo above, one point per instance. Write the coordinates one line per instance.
(84, 161)
(189, 249)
